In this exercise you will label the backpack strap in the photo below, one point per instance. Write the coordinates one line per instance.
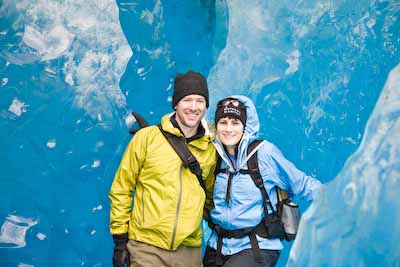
(254, 172)
(269, 227)
(188, 159)
(218, 168)
(141, 122)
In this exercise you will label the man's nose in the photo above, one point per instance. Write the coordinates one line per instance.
(193, 105)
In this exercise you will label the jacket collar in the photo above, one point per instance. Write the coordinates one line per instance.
(201, 142)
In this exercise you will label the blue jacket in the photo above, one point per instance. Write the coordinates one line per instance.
(244, 208)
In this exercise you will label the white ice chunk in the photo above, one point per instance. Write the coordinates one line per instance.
(147, 17)
(140, 71)
(293, 61)
(169, 87)
(99, 207)
(4, 81)
(49, 70)
(99, 144)
(130, 120)
(371, 23)
(96, 164)
(154, 53)
(13, 231)
(17, 107)
(69, 79)
(41, 236)
(50, 44)
(99, 117)
(51, 143)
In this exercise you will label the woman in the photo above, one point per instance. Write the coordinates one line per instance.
(239, 206)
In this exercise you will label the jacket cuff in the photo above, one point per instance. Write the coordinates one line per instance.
(120, 238)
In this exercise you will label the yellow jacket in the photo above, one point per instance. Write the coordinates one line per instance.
(168, 199)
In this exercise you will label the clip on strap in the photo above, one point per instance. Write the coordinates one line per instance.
(255, 248)
(218, 256)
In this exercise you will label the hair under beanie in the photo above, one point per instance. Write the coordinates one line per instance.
(230, 107)
(190, 83)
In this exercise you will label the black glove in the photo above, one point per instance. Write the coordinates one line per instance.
(121, 257)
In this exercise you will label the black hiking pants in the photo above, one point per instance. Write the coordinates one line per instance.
(242, 258)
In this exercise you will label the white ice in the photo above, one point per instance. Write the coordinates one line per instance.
(87, 37)
(13, 231)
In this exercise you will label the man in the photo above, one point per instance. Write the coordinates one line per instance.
(163, 226)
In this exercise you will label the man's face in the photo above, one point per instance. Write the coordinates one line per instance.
(190, 110)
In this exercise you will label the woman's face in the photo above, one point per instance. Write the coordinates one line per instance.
(230, 131)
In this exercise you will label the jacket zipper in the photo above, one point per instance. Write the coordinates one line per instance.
(178, 206)
(143, 204)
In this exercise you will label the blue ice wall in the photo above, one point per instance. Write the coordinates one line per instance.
(354, 222)
(70, 72)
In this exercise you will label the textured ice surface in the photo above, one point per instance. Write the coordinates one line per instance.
(355, 220)
(85, 37)
(315, 70)
(71, 71)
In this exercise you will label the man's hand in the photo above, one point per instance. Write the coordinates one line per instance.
(121, 257)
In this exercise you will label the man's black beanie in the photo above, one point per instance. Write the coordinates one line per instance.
(190, 83)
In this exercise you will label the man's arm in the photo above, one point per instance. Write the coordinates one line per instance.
(124, 184)
(209, 186)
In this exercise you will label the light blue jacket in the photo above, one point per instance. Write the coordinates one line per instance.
(244, 208)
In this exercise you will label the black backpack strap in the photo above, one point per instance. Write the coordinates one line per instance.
(218, 168)
(141, 122)
(188, 159)
(254, 171)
